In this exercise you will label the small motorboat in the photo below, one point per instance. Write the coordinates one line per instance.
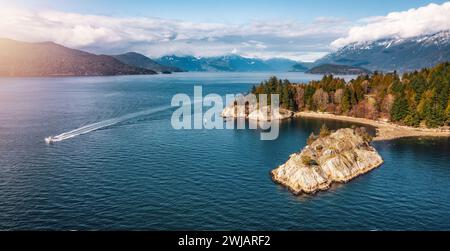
(49, 140)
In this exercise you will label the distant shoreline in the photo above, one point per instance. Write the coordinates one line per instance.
(385, 130)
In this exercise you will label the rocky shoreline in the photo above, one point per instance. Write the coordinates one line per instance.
(335, 158)
(248, 109)
(385, 130)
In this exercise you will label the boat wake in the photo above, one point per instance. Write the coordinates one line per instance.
(102, 124)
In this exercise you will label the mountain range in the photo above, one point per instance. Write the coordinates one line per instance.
(394, 53)
(50, 59)
(386, 54)
(230, 63)
(141, 61)
(389, 54)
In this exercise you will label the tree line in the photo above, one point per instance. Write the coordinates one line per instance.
(419, 98)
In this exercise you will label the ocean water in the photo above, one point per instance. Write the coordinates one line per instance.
(128, 169)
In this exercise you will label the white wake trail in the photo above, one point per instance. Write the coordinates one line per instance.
(102, 124)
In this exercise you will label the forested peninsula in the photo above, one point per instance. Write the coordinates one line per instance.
(417, 99)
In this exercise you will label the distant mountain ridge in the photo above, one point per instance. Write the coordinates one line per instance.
(299, 67)
(141, 61)
(394, 53)
(51, 59)
(227, 63)
(389, 54)
(338, 70)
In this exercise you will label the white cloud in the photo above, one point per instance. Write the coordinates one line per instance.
(329, 20)
(156, 37)
(424, 20)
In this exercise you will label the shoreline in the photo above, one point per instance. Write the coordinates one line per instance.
(384, 130)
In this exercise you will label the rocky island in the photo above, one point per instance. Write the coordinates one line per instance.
(328, 158)
(244, 107)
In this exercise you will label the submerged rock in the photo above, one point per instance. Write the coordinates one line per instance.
(338, 157)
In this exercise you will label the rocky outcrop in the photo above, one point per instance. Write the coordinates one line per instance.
(243, 107)
(338, 157)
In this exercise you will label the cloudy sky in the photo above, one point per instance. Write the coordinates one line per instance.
(300, 30)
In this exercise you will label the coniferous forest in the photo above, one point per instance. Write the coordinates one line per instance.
(419, 98)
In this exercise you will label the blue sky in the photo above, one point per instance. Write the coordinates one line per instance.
(300, 30)
(234, 11)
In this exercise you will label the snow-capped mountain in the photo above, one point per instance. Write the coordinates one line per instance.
(394, 53)
(233, 63)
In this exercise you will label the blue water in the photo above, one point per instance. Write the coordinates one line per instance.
(141, 174)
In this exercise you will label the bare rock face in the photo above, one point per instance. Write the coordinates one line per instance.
(338, 157)
(245, 108)
(265, 114)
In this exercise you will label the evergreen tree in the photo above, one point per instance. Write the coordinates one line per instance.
(284, 96)
(309, 92)
(292, 105)
(435, 114)
(346, 100)
(447, 112)
(420, 96)
(399, 108)
(324, 131)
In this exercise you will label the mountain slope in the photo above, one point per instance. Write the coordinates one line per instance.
(50, 59)
(394, 54)
(235, 63)
(227, 63)
(280, 64)
(186, 63)
(141, 61)
(338, 70)
(299, 68)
